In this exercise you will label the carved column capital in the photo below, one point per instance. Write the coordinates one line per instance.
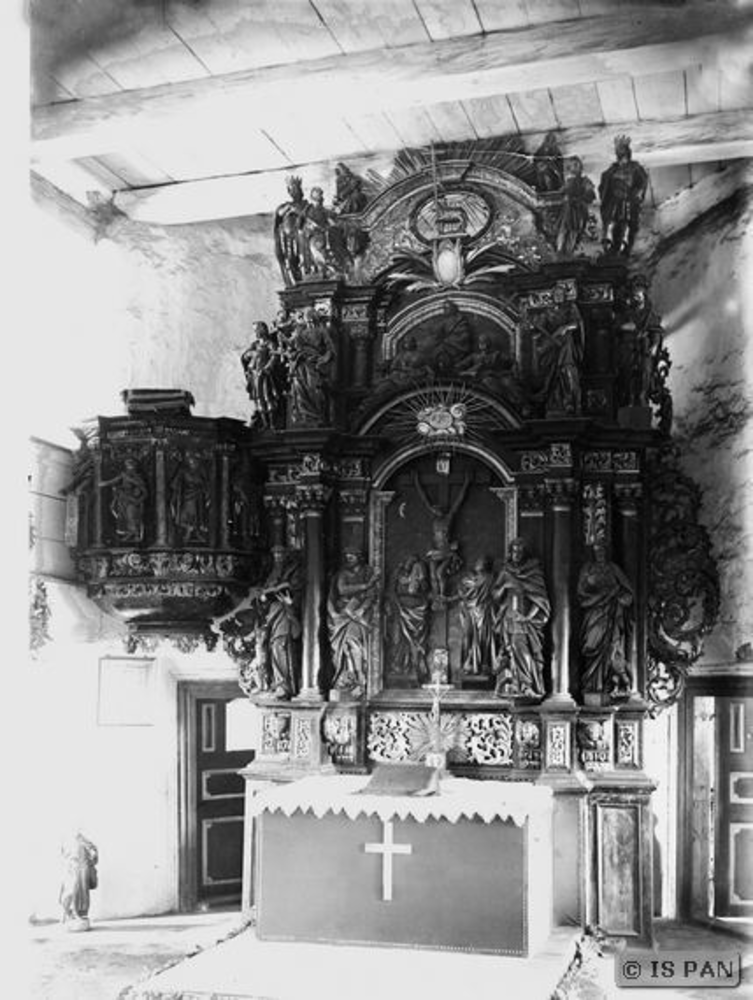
(353, 501)
(531, 499)
(561, 493)
(628, 496)
(312, 498)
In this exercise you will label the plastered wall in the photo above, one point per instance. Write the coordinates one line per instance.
(703, 288)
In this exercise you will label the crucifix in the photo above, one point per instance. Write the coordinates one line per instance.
(388, 848)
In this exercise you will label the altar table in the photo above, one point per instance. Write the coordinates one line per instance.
(468, 869)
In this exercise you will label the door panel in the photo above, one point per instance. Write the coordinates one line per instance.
(219, 805)
(734, 834)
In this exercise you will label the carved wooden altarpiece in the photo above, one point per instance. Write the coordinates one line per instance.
(446, 476)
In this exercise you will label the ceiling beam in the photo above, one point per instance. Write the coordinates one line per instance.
(477, 66)
(698, 139)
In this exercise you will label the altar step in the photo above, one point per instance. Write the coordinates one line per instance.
(245, 968)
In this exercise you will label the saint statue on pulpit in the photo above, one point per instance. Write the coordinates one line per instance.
(129, 495)
(522, 609)
(352, 608)
(189, 501)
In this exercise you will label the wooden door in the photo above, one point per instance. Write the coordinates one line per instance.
(211, 798)
(733, 881)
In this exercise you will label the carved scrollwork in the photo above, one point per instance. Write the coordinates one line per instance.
(389, 736)
(488, 739)
(683, 598)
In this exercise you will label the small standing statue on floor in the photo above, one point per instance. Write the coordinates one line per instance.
(80, 858)
(443, 556)
(128, 498)
(622, 189)
(522, 611)
(476, 593)
(352, 607)
(606, 600)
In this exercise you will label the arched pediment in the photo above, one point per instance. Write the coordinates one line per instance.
(501, 314)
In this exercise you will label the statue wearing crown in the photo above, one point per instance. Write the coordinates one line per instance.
(622, 189)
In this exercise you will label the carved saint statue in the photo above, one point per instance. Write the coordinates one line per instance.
(606, 600)
(561, 350)
(579, 194)
(287, 232)
(548, 164)
(315, 231)
(622, 189)
(351, 607)
(522, 611)
(476, 593)
(311, 360)
(265, 377)
(647, 360)
(128, 498)
(350, 198)
(443, 556)
(278, 627)
(454, 340)
(80, 858)
(404, 368)
(408, 618)
(189, 501)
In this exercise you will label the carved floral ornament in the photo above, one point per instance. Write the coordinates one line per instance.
(683, 596)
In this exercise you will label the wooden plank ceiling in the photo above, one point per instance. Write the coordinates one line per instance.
(197, 109)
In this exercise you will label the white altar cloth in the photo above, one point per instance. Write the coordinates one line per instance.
(458, 798)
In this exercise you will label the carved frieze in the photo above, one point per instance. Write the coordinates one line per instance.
(388, 739)
(534, 461)
(487, 738)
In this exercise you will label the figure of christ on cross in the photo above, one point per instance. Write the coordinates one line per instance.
(387, 848)
(443, 556)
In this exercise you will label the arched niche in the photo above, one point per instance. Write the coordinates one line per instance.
(472, 491)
